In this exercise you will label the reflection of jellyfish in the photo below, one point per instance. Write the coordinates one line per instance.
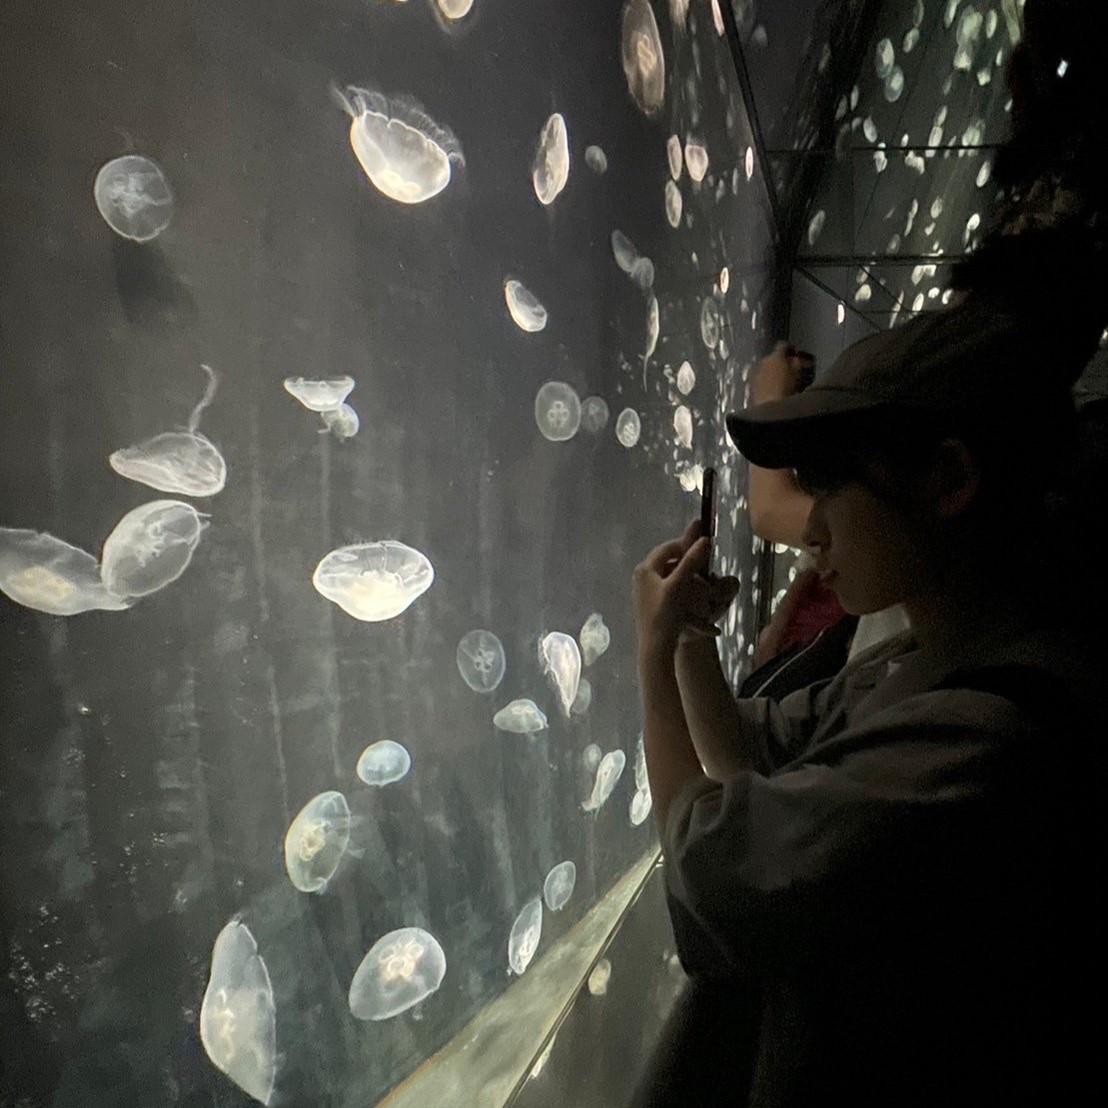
(551, 168)
(316, 841)
(524, 938)
(342, 422)
(624, 252)
(320, 395)
(709, 323)
(521, 717)
(594, 414)
(628, 427)
(150, 547)
(644, 64)
(596, 159)
(404, 152)
(595, 638)
(683, 426)
(134, 197)
(602, 971)
(238, 1020)
(42, 572)
(562, 663)
(696, 159)
(641, 803)
(815, 227)
(673, 156)
(607, 775)
(558, 886)
(399, 970)
(524, 307)
(583, 698)
(557, 411)
(384, 762)
(673, 204)
(590, 757)
(686, 379)
(480, 658)
(373, 581)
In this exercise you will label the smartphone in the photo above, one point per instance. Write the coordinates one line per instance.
(708, 508)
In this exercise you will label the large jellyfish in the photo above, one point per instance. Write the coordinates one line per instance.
(557, 411)
(607, 775)
(673, 204)
(324, 395)
(316, 841)
(373, 581)
(400, 969)
(42, 572)
(562, 662)
(480, 658)
(558, 886)
(238, 1019)
(150, 547)
(596, 159)
(405, 153)
(384, 762)
(524, 307)
(696, 159)
(551, 167)
(134, 197)
(524, 938)
(594, 414)
(595, 638)
(644, 64)
(522, 717)
(628, 427)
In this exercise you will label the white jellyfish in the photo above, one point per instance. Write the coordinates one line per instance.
(557, 411)
(724, 279)
(322, 395)
(894, 85)
(551, 167)
(342, 422)
(911, 40)
(150, 547)
(683, 426)
(558, 886)
(624, 252)
(696, 159)
(641, 779)
(673, 204)
(640, 806)
(815, 226)
(583, 698)
(562, 663)
(595, 638)
(134, 197)
(869, 129)
(238, 1019)
(596, 159)
(885, 58)
(628, 427)
(384, 762)
(653, 324)
(686, 379)
(602, 971)
(709, 323)
(644, 64)
(983, 174)
(406, 155)
(41, 572)
(524, 307)
(373, 581)
(316, 841)
(523, 940)
(673, 156)
(454, 9)
(590, 757)
(480, 659)
(749, 163)
(521, 717)
(607, 775)
(594, 414)
(864, 294)
(399, 970)
(642, 273)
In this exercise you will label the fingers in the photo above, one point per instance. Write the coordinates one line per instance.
(660, 558)
(695, 561)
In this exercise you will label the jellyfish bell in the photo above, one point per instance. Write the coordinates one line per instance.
(683, 426)
(596, 160)
(316, 841)
(523, 940)
(607, 776)
(595, 638)
(653, 324)
(562, 663)
(644, 63)
(551, 166)
(673, 156)
(673, 204)
(342, 422)
(640, 806)
(481, 661)
(557, 411)
(454, 9)
(594, 414)
(399, 971)
(320, 394)
(624, 252)
(590, 757)
(628, 427)
(521, 717)
(175, 461)
(686, 379)
(150, 547)
(383, 763)
(602, 971)
(558, 886)
(642, 273)
(696, 159)
(133, 195)
(373, 581)
(524, 307)
(583, 698)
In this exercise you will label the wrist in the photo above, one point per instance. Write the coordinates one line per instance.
(657, 655)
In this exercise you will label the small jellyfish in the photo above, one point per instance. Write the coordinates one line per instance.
(583, 698)
(596, 159)
(696, 159)
(551, 167)
(521, 717)
(894, 85)
(602, 971)
(558, 886)
(594, 414)
(815, 227)
(150, 547)
(524, 307)
(562, 663)
(653, 325)
(641, 803)
(683, 426)
(885, 58)
(320, 395)
(724, 279)
(406, 155)
(686, 379)
(383, 763)
(316, 841)
(557, 411)
(525, 934)
(864, 294)
(134, 197)
(399, 970)
(238, 1019)
(869, 129)
(454, 9)
(983, 175)
(628, 427)
(595, 638)
(481, 662)
(880, 161)
(41, 572)
(750, 163)
(590, 756)
(642, 273)
(673, 204)
(673, 155)
(641, 778)
(342, 422)
(607, 775)
(373, 581)
(709, 323)
(644, 64)
(624, 252)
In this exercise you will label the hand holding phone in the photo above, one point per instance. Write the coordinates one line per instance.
(708, 509)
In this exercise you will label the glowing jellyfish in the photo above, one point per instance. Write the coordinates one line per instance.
(750, 163)
(562, 663)
(628, 427)
(972, 225)
(673, 155)
(238, 1019)
(686, 379)
(624, 252)
(724, 279)
(316, 841)
(558, 886)
(323, 395)
(342, 422)
(401, 969)
(454, 9)
(653, 325)
(150, 547)
(885, 58)
(683, 426)
(696, 159)
(551, 167)
(640, 806)
(583, 698)
(880, 161)
(709, 323)
(673, 204)
(602, 971)
(911, 40)
(42, 572)
(481, 662)
(607, 775)
(373, 581)
(594, 414)
(524, 307)
(404, 152)
(644, 64)
(815, 227)
(642, 273)
(596, 159)
(590, 756)
(134, 197)
(894, 85)
(595, 638)
(864, 294)
(521, 717)
(869, 129)
(641, 779)
(983, 175)
(383, 763)
(525, 934)
(557, 411)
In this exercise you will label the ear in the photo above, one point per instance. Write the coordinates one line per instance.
(954, 481)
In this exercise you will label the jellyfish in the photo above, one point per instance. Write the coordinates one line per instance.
(150, 547)
(607, 775)
(521, 717)
(749, 163)
(602, 971)
(596, 159)
(696, 159)
(673, 204)
(342, 421)
(42, 572)
(316, 841)
(653, 324)
(238, 1020)
(399, 970)
(864, 294)
(951, 12)
(373, 581)
(724, 279)
(454, 9)
(524, 938)
(686, 379)
(558, 886)
(644, 64)
(557, 411)
(551, 167)
(524, 307)
(709, 323)
(673, 156)
(480, 658)
(595, 638)
(594, 414)
(320, 395)
(641, 779)
(590, 756)
(134, 197)
(406, 155)
(384, 762)
(641, 803)
(983, 175)
(562, 663)
(642, 273)
(885, 58)
(869, 129)
(628, 427)
(911, 40)
(683, 426)
(582, 700)
(624, 252)
(894, 85)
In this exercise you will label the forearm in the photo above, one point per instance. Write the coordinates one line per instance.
(778, 508)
